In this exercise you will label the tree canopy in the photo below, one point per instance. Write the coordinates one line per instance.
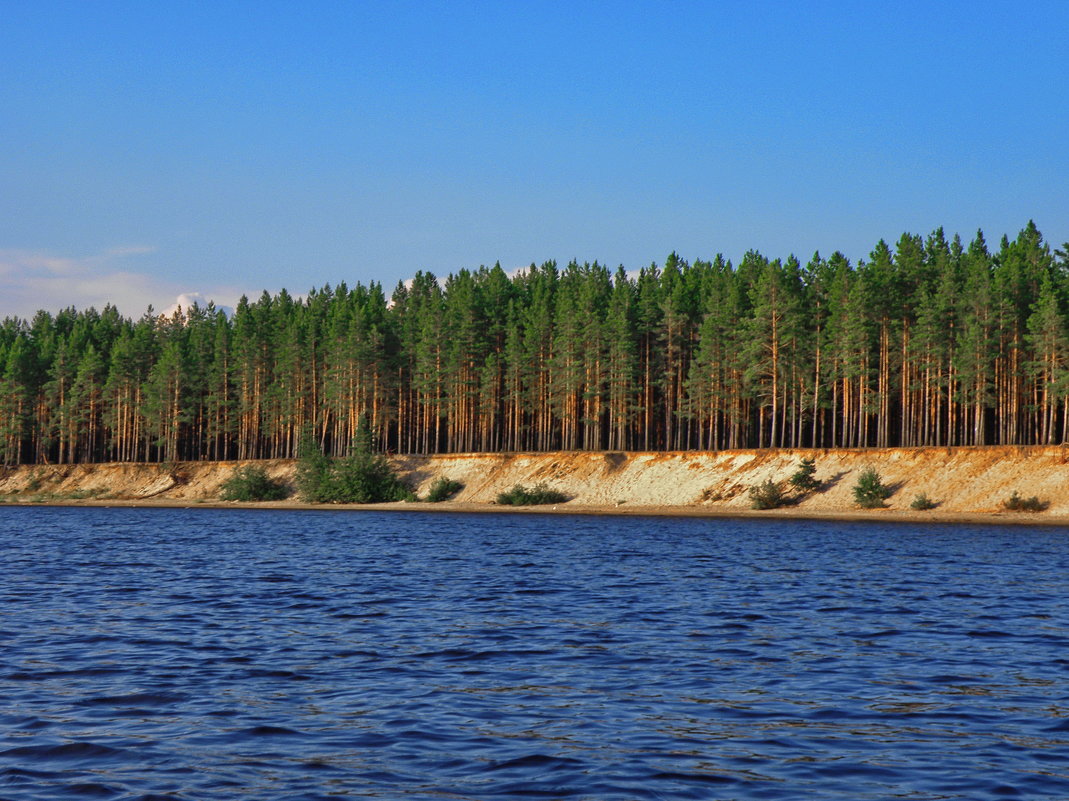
(932, 342)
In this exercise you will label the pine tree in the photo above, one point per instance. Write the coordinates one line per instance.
(1049, 344)
(975, 340)
(934, 343)
(621, 351)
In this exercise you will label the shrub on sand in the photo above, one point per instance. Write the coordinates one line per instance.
(1015, 503)
(442, 489)
(803, 479)
(251, 483)
(531, 496)
(870, 492)
(361, 477)
(767, 495)
(923, 503)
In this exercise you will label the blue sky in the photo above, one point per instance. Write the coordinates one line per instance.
(157, 149)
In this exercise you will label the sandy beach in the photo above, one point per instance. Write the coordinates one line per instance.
(858, 515)
(970, 485)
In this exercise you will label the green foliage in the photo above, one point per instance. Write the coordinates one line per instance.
(704, 355)
(870, 492)
(360, 477)
(524, 496)
(923, 503)
(1015, 503)
(803, 479)
(315, 469)
(364, 477)
(251, 483)
(442, 489)
(767, 495)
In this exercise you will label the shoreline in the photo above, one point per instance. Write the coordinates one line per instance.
(899, 517)
(968, 485)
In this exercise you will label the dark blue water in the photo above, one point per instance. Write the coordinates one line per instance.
(196, 654)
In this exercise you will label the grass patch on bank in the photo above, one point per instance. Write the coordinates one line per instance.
(87, 494)
(1015, 503)
(767, 495)
(73, 495)
(443, 489)
(923, 503)
(771, 494)
(539, 494)
(35, 481)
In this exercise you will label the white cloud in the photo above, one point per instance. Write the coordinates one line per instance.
(33, 280)
(187, 300)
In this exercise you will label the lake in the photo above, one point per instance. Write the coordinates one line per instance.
(226, 654)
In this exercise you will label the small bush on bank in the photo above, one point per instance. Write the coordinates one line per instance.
(364, 477)
(803, 479)
(524, 496)
(870, 492)
(767, 495)
(358, 478)
(251, 483)
(442, 489)
(922, 503)
(361, 477)
(1015, 503)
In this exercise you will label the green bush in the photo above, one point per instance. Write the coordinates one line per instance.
(524, 496)
(803, 479)
(357, 478)
(1015, 503)
(767, 495)
(870, 492)
(360, 477)
(443, 489)
(922, 503)
(314, 471)
(251, 483)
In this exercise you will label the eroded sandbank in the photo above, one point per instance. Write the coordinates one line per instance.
(968, 484)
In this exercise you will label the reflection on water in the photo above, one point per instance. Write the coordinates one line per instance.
(196, 654)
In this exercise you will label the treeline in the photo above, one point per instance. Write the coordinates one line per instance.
(931, 342)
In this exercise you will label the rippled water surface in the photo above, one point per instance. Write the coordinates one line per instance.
(199, 654)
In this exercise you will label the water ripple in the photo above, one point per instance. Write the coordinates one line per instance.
(193, 654)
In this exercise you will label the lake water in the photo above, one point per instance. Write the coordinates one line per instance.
(205, 654)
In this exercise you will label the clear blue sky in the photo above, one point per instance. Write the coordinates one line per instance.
(152, 149)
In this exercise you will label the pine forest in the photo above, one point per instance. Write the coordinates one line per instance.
(927, 343)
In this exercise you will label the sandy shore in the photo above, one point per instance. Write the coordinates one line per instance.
(969, 485)
(857, 515)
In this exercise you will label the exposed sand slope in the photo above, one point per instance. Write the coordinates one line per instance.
(963, 481)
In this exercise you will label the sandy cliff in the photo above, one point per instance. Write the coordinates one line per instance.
(963, 481)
